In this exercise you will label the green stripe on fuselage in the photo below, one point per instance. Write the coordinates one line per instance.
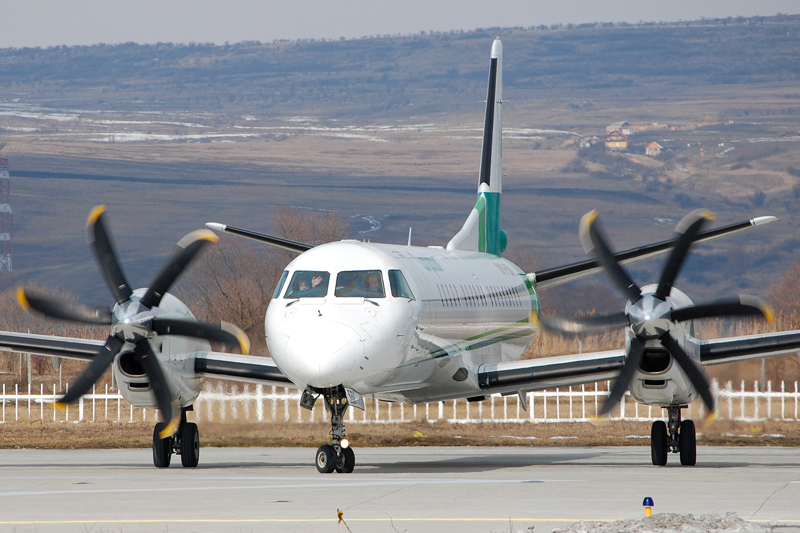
(471, 344)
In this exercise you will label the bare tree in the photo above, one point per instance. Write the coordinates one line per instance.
(785, 294)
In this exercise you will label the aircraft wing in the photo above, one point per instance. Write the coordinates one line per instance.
(246, 368)
(50, 346)
(726, 350)
(550, 372)
(553, 277)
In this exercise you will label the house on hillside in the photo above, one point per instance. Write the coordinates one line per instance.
(653, 149)
(623, 127)
(616, 140)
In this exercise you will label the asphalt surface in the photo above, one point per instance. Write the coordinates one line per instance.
(393, 489)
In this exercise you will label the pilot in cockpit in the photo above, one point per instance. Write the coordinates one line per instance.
(372, 285)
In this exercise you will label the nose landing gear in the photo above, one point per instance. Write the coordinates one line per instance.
(185, 442)
(336, 456)
(679, 437)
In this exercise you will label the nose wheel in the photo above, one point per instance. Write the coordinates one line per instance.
(677, 437)
(185, 442)
(337, 456)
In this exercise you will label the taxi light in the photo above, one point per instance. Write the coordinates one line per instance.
(345, 443)
(648, 506)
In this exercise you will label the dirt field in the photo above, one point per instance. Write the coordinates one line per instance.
(139, 435)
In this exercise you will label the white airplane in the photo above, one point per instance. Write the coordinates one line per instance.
(412, 324)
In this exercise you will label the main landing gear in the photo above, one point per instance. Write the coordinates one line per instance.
(338, 455)
(679, 437)
(185, 442)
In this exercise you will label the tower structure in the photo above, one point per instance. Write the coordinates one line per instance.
(6, 276)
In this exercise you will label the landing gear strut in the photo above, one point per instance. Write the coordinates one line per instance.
(337, 455)
(677, 436)
(185, 442)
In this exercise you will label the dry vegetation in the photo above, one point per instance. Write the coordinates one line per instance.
(61, 435)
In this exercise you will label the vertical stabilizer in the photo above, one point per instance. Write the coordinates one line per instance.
(482, 232)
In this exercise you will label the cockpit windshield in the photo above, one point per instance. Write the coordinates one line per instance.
(360, 283)
(399, 285)
(308, 284)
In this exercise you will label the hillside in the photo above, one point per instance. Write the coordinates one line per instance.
(383, 76)
(385, 131)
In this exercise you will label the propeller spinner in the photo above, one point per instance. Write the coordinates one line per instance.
(651, 316)
(132, 319)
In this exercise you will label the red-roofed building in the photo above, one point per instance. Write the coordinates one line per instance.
(616, 140)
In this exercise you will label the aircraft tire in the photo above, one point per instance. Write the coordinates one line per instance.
(346, 462)
(688, 443)
(190, 445)
(162, 448)
(325, 459)
(659, 444)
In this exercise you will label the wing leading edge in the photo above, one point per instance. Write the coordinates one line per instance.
(247, 368)
(50, 346)
(552, 277)
(550, 372)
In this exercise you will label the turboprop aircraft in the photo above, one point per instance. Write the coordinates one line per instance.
(412, 324)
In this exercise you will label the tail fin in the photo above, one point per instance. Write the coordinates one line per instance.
(481, 232)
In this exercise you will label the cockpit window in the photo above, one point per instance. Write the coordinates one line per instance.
(281, 282)
(399, 286)
(308, 284)
(360, 283)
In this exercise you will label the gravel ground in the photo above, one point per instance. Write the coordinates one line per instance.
(670, 523)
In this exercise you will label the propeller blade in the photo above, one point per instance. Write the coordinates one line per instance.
(84, 382)
(100, 240)
(59, 309)
(188, 247)
(625, 376)
(220, 332)
(744, 306)
(686, 230)
(580, 326)
(170, 410)
(594, 242)
(694, 374)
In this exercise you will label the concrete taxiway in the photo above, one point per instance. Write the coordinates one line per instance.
(393, 489)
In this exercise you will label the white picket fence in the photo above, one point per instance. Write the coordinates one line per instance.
(256, 403)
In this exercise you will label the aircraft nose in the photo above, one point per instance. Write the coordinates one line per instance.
(324, 354)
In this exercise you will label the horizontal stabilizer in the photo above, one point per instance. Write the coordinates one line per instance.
(286, 244)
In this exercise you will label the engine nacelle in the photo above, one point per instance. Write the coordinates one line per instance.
(176, 356)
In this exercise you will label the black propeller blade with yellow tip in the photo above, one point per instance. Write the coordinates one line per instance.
(651, 316)
(147, 323)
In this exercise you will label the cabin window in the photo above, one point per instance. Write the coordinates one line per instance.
(399, 285)
(281, 281)
(360, 284)
(308, 284)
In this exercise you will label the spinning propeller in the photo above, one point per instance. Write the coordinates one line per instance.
(651, 316)
(132, 318)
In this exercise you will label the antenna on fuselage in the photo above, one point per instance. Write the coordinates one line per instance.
(409, 235)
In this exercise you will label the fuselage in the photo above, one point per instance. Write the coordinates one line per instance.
(401, 322)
